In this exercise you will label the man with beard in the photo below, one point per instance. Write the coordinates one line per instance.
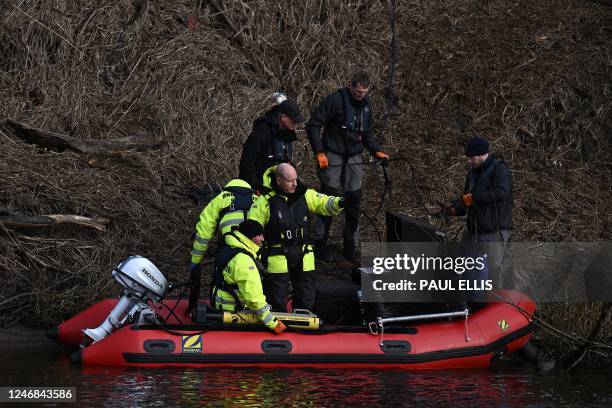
(487, 204)
(346, 119)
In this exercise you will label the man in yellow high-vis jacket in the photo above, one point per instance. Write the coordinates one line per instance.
(236, 281)
(223, 214)
(288, 256)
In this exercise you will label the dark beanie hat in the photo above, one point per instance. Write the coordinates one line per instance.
(476, 146)
(250, 228)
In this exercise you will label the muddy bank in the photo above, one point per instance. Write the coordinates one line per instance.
(534, 78)
(22, 337)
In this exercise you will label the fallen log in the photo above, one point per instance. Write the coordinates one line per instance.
(47, 138)
(15, 220)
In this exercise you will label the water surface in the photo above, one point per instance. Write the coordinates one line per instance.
(28, 359)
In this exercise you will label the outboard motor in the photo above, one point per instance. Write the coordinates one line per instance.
(143, 282)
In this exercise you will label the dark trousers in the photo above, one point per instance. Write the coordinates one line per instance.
(494, 243)
(276, 289)
(351, 217)
(345, 173)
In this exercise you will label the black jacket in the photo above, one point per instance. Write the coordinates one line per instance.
(491, 189)
(330, 115)
(257, 151)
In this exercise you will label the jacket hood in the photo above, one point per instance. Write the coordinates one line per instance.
(236, 239)
(238, 183)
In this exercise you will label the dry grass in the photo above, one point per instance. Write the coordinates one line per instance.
(533, 77)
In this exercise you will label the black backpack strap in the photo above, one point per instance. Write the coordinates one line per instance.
(224, 256)
(243, 199)
(351, 123)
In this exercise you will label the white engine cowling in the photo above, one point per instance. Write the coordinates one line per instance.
(140, 276)
(142, 282)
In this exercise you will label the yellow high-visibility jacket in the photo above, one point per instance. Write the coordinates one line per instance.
(316, 202)
(211, 218)
(241, 271)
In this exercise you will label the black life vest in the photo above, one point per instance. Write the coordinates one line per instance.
(356, 121)
(223, 257)
(289, 223)
(243, 199)
(279, 151)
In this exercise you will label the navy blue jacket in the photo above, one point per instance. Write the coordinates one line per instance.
(491, 189)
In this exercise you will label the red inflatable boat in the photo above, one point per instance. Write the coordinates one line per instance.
(497, 329)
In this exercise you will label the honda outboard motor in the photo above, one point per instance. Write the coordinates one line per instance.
(143, 282)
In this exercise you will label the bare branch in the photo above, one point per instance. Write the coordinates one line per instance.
(54, 219)
(47, 138)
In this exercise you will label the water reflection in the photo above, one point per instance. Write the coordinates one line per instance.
(510, 387)
(506, 386)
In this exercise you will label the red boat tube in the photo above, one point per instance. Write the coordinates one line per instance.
(498, 329)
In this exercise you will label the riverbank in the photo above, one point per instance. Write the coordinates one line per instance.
(531, 77)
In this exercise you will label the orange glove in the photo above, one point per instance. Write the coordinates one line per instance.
(279, 328)
(468, 200)
(322, 160)
(382, 156)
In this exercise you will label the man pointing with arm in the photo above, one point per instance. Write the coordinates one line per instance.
(285, 213)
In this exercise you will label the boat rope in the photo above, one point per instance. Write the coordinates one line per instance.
(185, 286)
(171, 312)
(386, 191)
(550, 328)
(389, 108)
(417, 193)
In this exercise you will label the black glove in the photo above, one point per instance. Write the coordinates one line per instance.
(341, 203)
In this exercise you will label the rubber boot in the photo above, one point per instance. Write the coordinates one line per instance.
(321, 248)
(351, 226)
